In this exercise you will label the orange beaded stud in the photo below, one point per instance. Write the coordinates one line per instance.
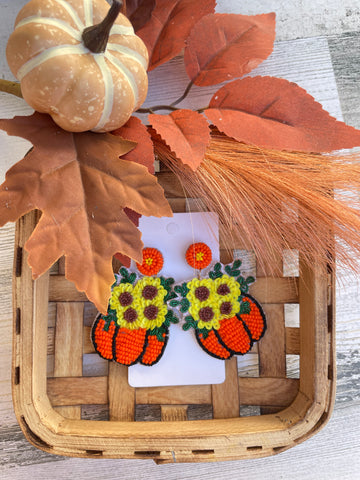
(198, 255)
(152, 263)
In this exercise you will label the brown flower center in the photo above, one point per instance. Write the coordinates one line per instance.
(125, 299)
(149, 292)
(223, 289)
(130, 315)
(150, 312)
(206, 314)
(202, 293)
(225, 308)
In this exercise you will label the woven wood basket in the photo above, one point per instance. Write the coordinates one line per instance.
(69, 401)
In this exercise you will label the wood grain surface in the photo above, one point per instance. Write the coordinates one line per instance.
(318, 46)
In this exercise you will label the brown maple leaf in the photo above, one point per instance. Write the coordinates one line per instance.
(82, 186)
(143, 154)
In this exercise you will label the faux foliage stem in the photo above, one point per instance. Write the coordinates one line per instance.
(172, 106)
(166, 107)
(10, 87)
(184, 95)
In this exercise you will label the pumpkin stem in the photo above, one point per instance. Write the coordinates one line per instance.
(96, 37)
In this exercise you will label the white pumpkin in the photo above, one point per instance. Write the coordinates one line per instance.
(81, 89)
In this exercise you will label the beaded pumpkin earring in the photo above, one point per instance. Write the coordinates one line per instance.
(226, 319)
(136, 327)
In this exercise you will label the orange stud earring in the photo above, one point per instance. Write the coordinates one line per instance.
(198, 255)
(152, 263)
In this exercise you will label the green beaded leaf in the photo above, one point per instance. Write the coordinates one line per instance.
(170, 317)
(189, 323)
(167, 284)
(204, 332)
(233, 270)
(174, 303)
(244, 287)
(159, 332)
(245, 308)
(110, 317)
(126, 276)
(250, 280)
(185, 305)
(216, 272)
(132, 278)
(245, 283)
(237, 264)
(182, 289)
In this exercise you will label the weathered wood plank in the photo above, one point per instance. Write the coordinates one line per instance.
(266, 290)
(78, 390)
(291, 335)
(121, 395)
(173, 413)
(69, 347)
(93, 390)
(225, 396)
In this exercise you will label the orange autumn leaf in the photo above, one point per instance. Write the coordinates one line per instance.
(275, 113)
(143, 153)
(226, 46)
(139, 12)
(187, 133)
(81, 186)
(170, 25)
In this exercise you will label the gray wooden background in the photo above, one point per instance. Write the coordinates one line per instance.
(318, 46)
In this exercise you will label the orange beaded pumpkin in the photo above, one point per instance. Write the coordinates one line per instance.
(136, 327)
(226, 319)
(80, 62)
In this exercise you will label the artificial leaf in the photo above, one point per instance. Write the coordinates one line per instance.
(226, 46)
(275, 113)
(81, 185)
(139, 12)
(134, 217)
(187, 133)
(170, 25)
(143, 154)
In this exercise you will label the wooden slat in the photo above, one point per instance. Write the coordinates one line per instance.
(88, 346)
(276, 290)
(272, 358)
(68, 353)
(265, 290)
(292, 335)
(173, 413)
(94, 390)
(171, 185)
(313, 317)
(226, 256)
(191, 395)
(292, 340)
(225, 396)
(121, 395)
(268, 270)
(279, 392)
(78, 391)
(61, 290)
(178, 205)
